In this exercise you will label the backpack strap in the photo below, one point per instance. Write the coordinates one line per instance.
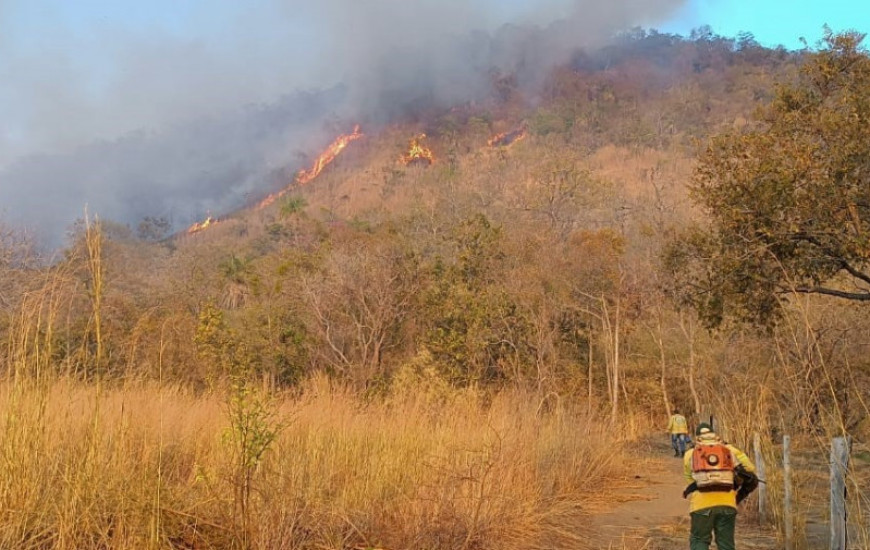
(691, 488)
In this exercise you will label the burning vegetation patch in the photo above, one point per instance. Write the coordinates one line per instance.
(507, 139)
(323, 160)
(201, 226)
(418, 153)
(335, 148)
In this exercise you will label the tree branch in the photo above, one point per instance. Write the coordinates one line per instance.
(844, 265)
(854, 272)
(859, 296)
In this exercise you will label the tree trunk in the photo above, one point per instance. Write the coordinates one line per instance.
(614, 411)
(94, 242)
(659, 338)
(610, 330)
(589, 375)
(688, 328)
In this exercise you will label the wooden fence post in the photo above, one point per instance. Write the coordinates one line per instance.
(762, 487)
(786, 481)
(840, 447)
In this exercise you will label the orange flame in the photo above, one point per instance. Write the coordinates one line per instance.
(507, 139)
(305, 176)
(417, 152)
(270, 199)
(201, 226)
(328, 156)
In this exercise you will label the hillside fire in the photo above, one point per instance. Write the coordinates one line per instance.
(328, 156)
(305, 176)
(418, 154)
(508, 138)
(270, 199)
(201, 226)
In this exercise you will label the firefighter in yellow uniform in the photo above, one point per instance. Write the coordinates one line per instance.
(678, 428)
(713, 469)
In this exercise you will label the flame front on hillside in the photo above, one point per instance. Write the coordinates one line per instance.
(201, 226)
(305, 176)
(507, 139)
(418, 153)
(328, 156)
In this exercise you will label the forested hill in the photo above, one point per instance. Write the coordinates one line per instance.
(465, 327)
(531, 262)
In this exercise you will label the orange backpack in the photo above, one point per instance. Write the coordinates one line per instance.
(713, 467)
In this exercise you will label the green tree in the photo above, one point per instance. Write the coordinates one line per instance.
(475, 330)
(788, 199)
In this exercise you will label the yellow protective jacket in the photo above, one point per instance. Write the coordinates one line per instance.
(678, 425)
(699, 500)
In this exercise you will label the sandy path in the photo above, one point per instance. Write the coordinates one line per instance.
(656, 507)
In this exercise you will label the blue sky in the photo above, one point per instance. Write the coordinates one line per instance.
(774, 22)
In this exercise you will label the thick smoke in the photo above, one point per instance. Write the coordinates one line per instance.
(442, 50)
(182, 173)
(138, 118)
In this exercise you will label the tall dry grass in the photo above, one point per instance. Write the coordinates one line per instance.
(801, 394)
(148, 466)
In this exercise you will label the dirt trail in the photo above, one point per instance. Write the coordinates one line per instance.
(654, 506)
(654, 515)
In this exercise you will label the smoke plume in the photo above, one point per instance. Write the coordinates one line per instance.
(151, 115)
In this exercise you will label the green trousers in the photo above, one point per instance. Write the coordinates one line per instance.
(719, 520)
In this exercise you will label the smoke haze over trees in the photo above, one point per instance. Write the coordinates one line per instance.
(136, 116)
(288, 369)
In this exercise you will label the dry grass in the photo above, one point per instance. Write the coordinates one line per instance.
(148, 467)
(777, 404)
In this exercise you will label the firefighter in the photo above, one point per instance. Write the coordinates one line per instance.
(678, 428)
(715, 471)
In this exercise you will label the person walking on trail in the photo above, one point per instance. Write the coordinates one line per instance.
(679, 430)
(715, 471)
